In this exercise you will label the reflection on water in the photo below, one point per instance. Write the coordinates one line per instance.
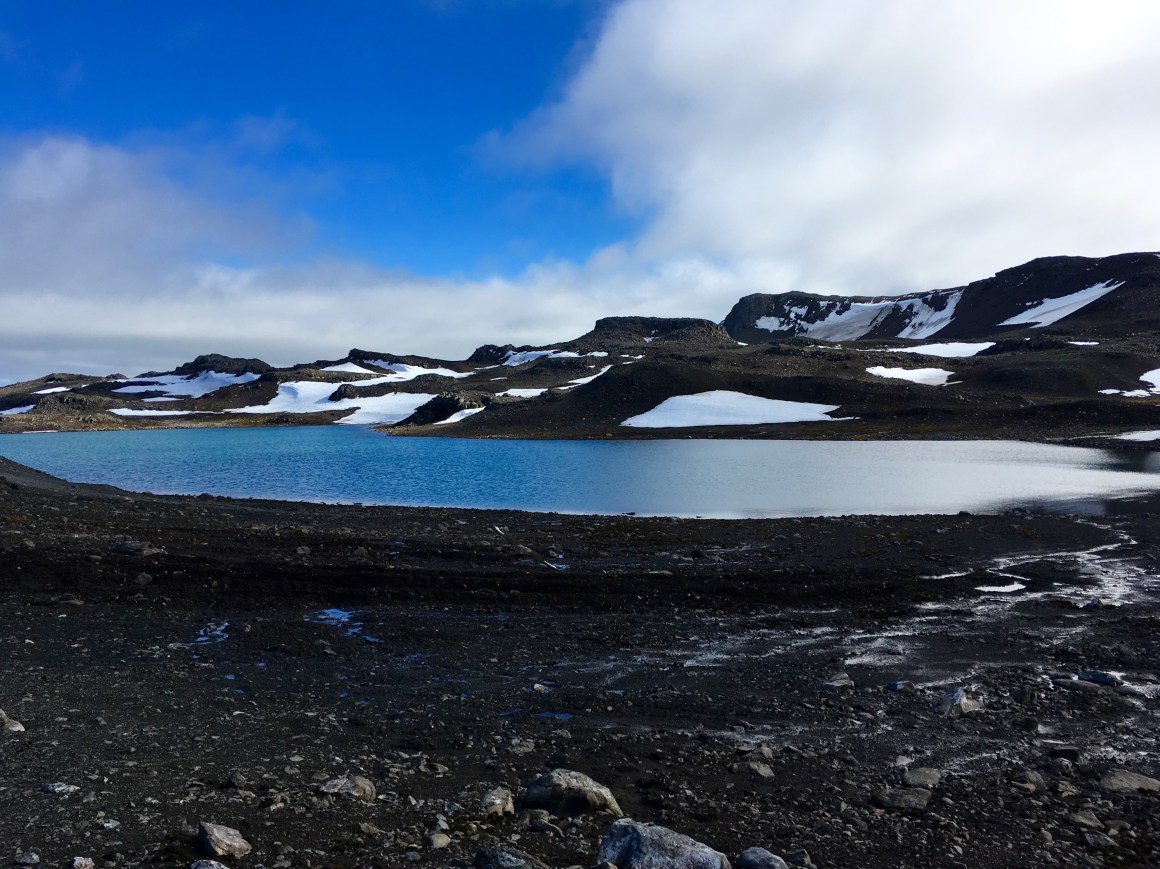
(709, 478)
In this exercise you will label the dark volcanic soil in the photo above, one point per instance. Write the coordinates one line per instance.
(173, 660)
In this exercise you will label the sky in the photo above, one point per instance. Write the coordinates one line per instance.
(289, 179)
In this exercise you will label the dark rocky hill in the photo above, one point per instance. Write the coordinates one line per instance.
(1063, 347)
(1121, 293)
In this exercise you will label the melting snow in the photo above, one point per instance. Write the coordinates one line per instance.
(12, 411)
(720, 407)
(927, 376)
(190, 387)
(946, 350)
(1052, 310)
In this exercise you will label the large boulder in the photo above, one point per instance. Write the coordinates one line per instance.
(218, 841)
(633, 845)
(569, 794)
(1123, 781)
(354, 787)
(506, 857)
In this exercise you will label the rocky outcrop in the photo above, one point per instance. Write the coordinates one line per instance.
(632, 845)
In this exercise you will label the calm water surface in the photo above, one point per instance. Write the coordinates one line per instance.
(710, 478)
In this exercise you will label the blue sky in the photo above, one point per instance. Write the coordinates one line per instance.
(291, 179)
(365, 117)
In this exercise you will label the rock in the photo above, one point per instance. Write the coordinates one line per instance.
(1077, 686)
(1100, 677)
(437, 841)
(754, 768)
(1026, 695)
(1086, 819)
(960, 701)
(1070, 753)
(59, 787)
(207, 864)
(901, 687)
(759, 858)
(632, 845)
(218, 841)
(81, 863)
(921, 777)
(568, 794)
(838, 681)
(506, 857)
(354, 787)
(902, 799)
(26, 858)
(9, 725)
(1122, 781)
(799, 858)
(496, 803)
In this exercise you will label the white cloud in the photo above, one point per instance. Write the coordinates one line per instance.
(870, 145)
(859, 146)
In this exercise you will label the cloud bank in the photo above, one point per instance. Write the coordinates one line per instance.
(864, 146)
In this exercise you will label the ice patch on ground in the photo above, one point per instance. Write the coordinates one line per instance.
(189, 387)
(1053, 310)
(947, 349)
(926, 376)
(721, 407)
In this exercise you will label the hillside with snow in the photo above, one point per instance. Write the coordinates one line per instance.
(1058, 348)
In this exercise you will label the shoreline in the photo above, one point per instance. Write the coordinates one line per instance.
(171, 657)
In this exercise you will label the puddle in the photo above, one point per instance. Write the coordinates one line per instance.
(212, 633)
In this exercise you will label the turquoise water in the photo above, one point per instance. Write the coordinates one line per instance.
(709, 478)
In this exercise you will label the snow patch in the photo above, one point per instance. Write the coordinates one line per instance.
(926, 376)
(1140, 436)
(12, 411)
(721, 407)
(946, 350)
(580, 381)
(523, 393)
(1053, 310)
(350, 368)
(128, 411)
(460, 415)
(189, 387)
(400, 371)
(925, 320)
(52, 390)
(1085, 343)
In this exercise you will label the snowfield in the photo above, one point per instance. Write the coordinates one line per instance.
(926, 376)
(188, 387)
(307, 396)
(1139, 436)
(400, 371)
(946, 350)
(721, 407)
(1053, 310)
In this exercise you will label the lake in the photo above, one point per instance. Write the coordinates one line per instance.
(706, 478)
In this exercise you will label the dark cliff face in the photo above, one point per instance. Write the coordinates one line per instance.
(978, 311)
